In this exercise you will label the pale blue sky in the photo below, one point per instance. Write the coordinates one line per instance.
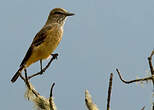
(103, 35)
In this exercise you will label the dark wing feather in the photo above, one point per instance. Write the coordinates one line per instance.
(39, 38)
(28, 54)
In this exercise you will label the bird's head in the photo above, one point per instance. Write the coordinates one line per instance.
(58, 15)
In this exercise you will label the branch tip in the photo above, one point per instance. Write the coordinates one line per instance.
(51, 90)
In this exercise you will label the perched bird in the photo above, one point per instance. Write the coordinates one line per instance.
(46, 40)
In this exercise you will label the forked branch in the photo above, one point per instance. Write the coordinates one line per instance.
(39, 101)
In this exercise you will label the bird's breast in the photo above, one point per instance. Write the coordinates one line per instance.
(54, 39)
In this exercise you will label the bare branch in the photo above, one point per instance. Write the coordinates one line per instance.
(143, 108)
(54, 56)
(22, 78)
(132, 81)
(40, 102)
(52, 105)
(109, 91)
(152, 53)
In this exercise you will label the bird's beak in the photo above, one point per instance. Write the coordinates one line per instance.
(69, 14)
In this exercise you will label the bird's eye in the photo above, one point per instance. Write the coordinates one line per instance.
(58, 13)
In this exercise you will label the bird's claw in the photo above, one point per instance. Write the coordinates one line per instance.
(55, 56)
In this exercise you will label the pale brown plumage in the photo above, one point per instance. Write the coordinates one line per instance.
(46, 40)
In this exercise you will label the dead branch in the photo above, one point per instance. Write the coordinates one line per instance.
(132, 81)
(39, 101)
(143, 108)
(109, 91)
(50, 98)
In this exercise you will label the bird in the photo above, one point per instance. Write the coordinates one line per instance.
(46, 40)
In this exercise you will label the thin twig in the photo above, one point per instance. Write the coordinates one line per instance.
(152, 53)
(132, 81)
(150, 65)
(143, 108)
(54, 56)
(51, 90)
(22, 78)
(109, 91)
(50, 98)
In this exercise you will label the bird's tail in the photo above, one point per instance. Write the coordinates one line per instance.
(17, 74)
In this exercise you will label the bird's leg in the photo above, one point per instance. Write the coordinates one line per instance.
(41, 72)
(25, 71)
(26, 80)
(55, 56)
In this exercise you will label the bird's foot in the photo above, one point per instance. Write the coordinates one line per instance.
(55, 56)
(41, 72)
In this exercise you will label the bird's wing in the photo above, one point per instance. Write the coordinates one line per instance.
(38, 39)
(40, 36)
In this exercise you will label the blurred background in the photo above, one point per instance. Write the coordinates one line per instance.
(102, 36)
